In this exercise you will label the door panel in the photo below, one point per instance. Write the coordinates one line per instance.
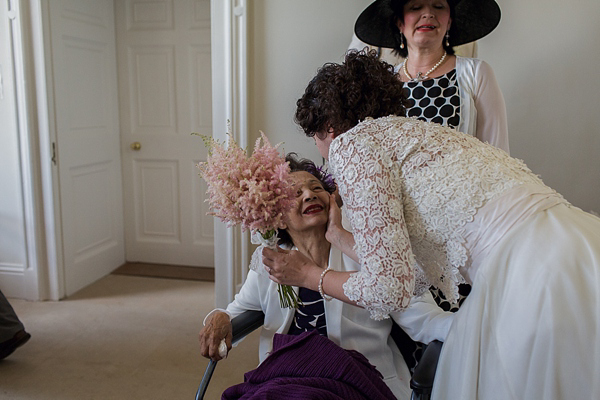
(163, 50)
(87, 134)
(13, 252)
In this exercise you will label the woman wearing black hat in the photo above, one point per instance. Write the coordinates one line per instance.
(454, 91)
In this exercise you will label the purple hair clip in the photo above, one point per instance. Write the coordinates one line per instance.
(326, 178)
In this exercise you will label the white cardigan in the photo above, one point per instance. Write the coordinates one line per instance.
(482, 107)
(348, 326)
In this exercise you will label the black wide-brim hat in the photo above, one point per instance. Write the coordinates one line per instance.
(473, 19)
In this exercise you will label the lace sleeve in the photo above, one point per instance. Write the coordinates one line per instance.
(256, 263)
(370, 184)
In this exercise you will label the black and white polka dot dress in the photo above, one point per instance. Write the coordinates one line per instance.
(435, 100)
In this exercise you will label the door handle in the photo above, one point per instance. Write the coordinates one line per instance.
(136, 146)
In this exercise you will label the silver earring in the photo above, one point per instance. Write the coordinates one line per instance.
(447, 38)
(401, 40)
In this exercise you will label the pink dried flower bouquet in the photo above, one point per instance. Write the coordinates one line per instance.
(255, 192)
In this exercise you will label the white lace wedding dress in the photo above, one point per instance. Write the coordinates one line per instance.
(432, 206)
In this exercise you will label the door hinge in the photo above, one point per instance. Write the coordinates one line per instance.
(10, 12)
(54, 153)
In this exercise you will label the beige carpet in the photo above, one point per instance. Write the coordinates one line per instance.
(124, 337)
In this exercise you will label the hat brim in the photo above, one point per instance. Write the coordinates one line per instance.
(473, 19)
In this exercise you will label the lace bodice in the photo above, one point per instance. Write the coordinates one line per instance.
(409, 188)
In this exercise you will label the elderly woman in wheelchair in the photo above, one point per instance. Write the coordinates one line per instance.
(344, 324)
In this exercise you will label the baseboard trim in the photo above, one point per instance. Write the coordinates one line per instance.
(167, 271)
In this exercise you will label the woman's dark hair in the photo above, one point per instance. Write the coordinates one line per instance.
(342, 95)
(398, 9)
(303, 164)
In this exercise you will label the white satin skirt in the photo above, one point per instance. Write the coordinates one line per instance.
(530, 328)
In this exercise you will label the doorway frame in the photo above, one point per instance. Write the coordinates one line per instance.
(45, 270)
(229, 59)
(41, 275)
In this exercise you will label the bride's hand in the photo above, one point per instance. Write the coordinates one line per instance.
(336, 234)
(334, 223)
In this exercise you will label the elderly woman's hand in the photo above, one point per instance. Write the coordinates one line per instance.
(290, 267)
(217, 328)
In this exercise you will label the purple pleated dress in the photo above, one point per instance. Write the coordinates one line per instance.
(310, 366)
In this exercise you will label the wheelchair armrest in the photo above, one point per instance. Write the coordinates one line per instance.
(424, 373)
(246, 323)
(241, 325)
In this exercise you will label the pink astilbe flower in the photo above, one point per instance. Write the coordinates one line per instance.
(254, 192)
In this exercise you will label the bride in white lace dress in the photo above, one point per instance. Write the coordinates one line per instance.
(433, 206)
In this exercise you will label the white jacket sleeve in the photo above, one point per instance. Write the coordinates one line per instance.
(492, 124)
(424, 320)
(249, 296)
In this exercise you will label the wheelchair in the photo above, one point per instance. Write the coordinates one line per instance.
(423, 373)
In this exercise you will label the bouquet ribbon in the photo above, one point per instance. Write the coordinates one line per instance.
(258, 238)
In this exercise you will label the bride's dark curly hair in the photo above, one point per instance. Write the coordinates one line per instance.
(342, 95)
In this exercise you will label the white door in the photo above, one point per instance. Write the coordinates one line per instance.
(13, 252)
(163, 50)
(83, 57)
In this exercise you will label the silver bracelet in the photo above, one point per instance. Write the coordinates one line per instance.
(321, 292)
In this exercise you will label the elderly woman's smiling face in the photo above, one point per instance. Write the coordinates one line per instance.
(312, 203)
(425, 22)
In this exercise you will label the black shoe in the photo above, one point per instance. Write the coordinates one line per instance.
(10, 345)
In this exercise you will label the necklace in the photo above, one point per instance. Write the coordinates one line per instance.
(420, 77)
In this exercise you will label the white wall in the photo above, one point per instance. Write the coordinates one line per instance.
(545, 54)
(289, 40)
